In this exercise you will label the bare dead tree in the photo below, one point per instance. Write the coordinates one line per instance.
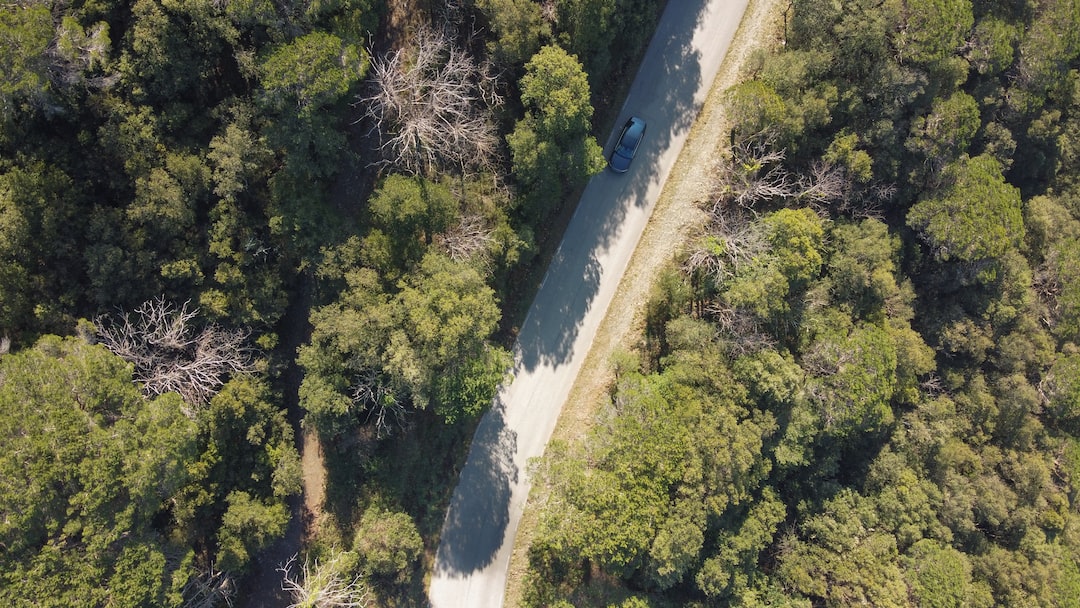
(372, 392)
(74, 52)
(754, 173)
(431, 103)
(739, 329)
(170, 355)
(731, 239)
(209, 588)
(472, 236)
(5, 345)
(826, 183)
(322, 586)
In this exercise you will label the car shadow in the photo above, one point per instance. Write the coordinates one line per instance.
(664, 94)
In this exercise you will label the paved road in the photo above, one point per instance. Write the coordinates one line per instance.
(478, 534)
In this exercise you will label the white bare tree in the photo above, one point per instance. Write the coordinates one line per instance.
(729, 240)
(752, 174)
(470, 237)
(372, 392)
(209, 588)
(170, 355)
(323, 585)
(431, 103)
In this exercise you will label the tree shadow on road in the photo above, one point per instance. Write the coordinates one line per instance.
(663, 94)
(480, 508)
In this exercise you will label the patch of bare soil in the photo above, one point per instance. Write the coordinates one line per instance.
(314, 470)
(676, 215)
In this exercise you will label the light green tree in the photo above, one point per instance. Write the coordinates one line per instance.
(310, 72)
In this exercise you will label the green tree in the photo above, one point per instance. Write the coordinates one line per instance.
(931, 30)
(311, 72)
(973, 216)
(25, 34)
(854, 376)
(89, 472)
(1062, 262)
(447, 315)
(731, 570)
(947, 131)
(940, 577)
(755, 108)
(248, 526)
(589, 27)
(841, 558)
(551, 146)
(408, 212)
(518, 26)
(388, 543)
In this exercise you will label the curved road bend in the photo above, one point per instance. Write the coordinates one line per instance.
(478, 534)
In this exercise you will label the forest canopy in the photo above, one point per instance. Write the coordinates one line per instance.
(225, 225)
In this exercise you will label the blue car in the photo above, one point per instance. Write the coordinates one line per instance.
(625, 149)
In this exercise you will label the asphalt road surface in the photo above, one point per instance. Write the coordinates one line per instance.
(481, 523)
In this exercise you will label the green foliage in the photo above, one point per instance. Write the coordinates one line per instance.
(551, 146)
(657, 472)
(408, 212)
(768, 283)
(388, 544)
(975, 215)
(847, 561)
(733, 566)
(1062, 385)
(89, 468)
(1063, 263)
(518, 26)
(947, 131)
(940, 576)
(931, 30)
(25, 35)
(310, 72)
(754, 107)
(993, 45)
(918, 371)
(427, 342)
(248, 526)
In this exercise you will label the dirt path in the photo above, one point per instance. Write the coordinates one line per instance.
(676, 215)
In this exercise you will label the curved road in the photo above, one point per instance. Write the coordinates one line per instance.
(481, 523)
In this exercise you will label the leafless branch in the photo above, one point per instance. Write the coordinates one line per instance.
(169, 355)
(470, 237)
(752, 174)
(372, 392)
(431, 103)
(730, 240)
(739, 329)
(826, 183)
(208, 588)
(322, 586)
